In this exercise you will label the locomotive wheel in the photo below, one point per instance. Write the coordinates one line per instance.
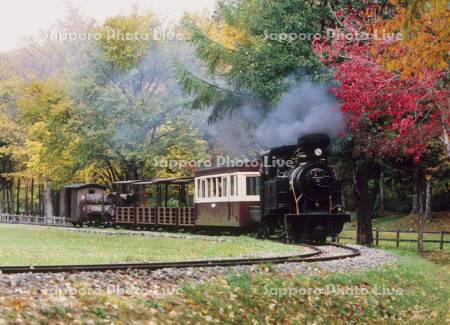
(290, 234)
(320, 239)
(305, 238)
(262, 231)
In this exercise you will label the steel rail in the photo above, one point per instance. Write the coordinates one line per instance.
(306, 257)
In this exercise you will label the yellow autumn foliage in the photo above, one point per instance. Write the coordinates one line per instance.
(224, 34)
(426, 41)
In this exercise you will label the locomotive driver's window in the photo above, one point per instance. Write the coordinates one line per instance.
(252, 185)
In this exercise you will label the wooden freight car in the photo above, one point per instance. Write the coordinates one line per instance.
(71, 197)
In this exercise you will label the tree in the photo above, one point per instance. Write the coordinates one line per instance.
(423, 52)
(248, 55)
(129, 107)
(390, 115)
(45, 111)
(425, 41)
(12, 139)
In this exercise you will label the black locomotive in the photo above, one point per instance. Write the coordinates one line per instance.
(300, 197)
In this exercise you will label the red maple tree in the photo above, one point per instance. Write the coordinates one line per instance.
(389, 114)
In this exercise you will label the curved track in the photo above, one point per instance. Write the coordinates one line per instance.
(318, 255)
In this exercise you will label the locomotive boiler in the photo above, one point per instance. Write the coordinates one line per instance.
(300, 196)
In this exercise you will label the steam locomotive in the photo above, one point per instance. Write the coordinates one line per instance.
(302, 198)
(291, 193)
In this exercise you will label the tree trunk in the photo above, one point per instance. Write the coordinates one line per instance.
(421, 217)
(415, 207)
(32, 196)
(343, 200)
(8, 199)
(445, 138)
(374, 193)
(381, 184)
(132, 170)
(363, 207)
(12, 196)
(421, 196)
(40, 201)
(18, 197)
(428, 191)
(26, 196)
(48, 199)
(2, 208)
(420, 234)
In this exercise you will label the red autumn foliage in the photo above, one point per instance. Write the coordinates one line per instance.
(389, 115)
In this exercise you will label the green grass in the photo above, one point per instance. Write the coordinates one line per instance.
(28, 245)
(414, 291)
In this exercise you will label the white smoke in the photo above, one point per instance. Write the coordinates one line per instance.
(305, 108)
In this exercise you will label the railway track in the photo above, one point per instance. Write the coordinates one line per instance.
(318, 255)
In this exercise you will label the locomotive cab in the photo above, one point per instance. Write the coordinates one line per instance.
(301, 197)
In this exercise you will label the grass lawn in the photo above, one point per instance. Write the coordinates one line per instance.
(31, 245)
(413, 292)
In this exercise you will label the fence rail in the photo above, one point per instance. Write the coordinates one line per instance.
(377, 239)
(26, 219)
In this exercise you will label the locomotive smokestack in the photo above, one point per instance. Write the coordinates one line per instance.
(314, 139)
(314, 144)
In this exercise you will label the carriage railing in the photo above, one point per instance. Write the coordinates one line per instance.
(183, 216)
(28, 219)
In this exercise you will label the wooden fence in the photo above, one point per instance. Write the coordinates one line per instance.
(25, 219)
(377, 238)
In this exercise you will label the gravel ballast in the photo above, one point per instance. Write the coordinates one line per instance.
(160, 283)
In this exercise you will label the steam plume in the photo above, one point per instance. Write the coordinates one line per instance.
(306, 108)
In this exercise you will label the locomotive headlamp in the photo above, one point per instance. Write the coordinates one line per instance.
(318, 152)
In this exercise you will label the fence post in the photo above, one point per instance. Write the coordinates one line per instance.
(441, 244)
(398, 238)
(377, 236)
